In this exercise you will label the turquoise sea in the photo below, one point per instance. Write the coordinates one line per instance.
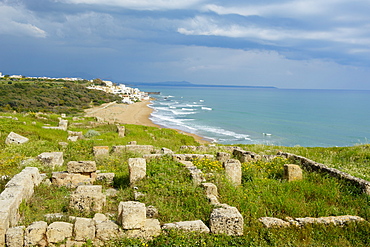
(285, 117)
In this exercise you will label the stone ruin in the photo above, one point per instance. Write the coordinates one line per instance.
(14, 138)
(88, 198)
(63, 125)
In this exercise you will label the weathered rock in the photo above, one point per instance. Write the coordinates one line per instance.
(226, 220)
(292, 172)
(211, 192)
(15, 236)
(81, 166)
(84, 229)
(105, 177)
(99, 217)
(190, 226)
(152, 228)
(233, 171)
(131, 215)
(121, 131)
(63, 124)
(335, 220)
(51, 159)
(72, 138)
(100, 151)
(137, 169)
(70, 180)
(271, 222)
(88, 198)
(223, 156)
(14, 138)
(79, 134)
(35, 234)
(166, 151)
(4, 225)
(59, 231)
(73, 243)
(151, 212)
(106, 230)
(140, 149)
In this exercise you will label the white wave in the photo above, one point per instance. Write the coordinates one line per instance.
(201, 100)
(187, 109)
(207, 108)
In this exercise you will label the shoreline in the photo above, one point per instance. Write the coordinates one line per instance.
(137, 113)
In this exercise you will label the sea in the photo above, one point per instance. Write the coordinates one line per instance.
(282, 117)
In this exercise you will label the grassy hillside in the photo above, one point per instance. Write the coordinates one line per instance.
(49, 96)
(169, 187)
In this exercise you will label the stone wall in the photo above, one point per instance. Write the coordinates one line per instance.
(19, 188)
(311, 165)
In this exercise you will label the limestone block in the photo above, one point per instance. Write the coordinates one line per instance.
(210, 189)
(132, 143)
(223, 156)
(79, 134)
(335, 220)
(4, 225)
(35, 234)
(152, 228)
(197, 175)
(121, 131)
(84, 229)
(106, 230)
(14, 138)
(88, 202)
(34, 173)
(100, 150)
(89, 189)
(190, 226)
(70, 180)
(81, 166)
(226, 220)
(63, 124)
(15, 236)
(99, 217)
(73, 243)
(131, 215)
(59, 231)
(292, 172)
(72, 138)
(140, 149)
(151, 212)
(233, 170)
(10, 206)
(166, 151)
(270, 222)
(106, 177)
(137, 169)
(51, 159)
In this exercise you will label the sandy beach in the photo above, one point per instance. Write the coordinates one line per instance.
(137, 113)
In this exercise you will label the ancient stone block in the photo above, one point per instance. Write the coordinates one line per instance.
(100, 150)
(140, 149)
(88, 199)
(223, 156)
(121, 131)
(105, 177)
(14, 138)
(70, 180)
(99, 217)
(137, 169)
(271, 222)
(152, 228)
(292, 172)
(15, 236)
(72, 138)
(151, 212)
(4, 225)
(226, 220)
(106, 230)
(81, 166)
(166, 151)
(131, 215)
(59, 231)
(84, 229)
(79, 134)
(35, 234)
(233, 171)
(63, 124)
(210, 189)
(190, 226)
(51, 159)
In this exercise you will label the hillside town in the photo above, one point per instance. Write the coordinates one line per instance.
(129, 95)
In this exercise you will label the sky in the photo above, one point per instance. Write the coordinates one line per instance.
(308, 44)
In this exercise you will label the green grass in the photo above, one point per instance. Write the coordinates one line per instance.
(169, 188)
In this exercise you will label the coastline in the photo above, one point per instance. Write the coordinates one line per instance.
(137, 113)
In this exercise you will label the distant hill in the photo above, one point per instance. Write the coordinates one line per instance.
(186, 84)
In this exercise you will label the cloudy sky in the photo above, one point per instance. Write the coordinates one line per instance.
(282, 43)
